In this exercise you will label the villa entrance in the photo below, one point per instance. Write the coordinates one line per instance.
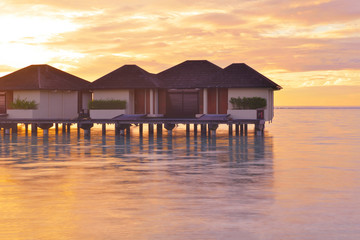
(182, 103)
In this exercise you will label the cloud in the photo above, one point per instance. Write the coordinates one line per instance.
(306, 39)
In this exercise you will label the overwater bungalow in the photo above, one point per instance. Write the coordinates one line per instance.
(43, 92)
(188, 90)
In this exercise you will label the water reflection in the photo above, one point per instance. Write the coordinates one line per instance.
(138, 187)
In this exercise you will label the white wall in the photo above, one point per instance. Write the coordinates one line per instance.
(116, 94)
(86, 98)
(255, 92)
(52, 104)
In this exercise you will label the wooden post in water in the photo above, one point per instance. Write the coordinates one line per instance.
(103, 129)
(212, 128)
(87, 129)
(127, 130)
(230, 129)
(169, 127)
(14, 128)
(195, 130)
(246, 129)
(45, 127)
(237, 129)
(187, 130)
(203, 129)
(34, 129)
(159, 129)
(78, 129)
(26, 129)
(56, 128)
(68, 127)
(140, 129)
(63, 127)
(241, 129)
(151, 129)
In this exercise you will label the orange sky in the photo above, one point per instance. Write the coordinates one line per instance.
(311, 48)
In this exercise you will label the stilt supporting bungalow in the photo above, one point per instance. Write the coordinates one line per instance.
(34, 129)
(169, 127)
(213, 128)
(86, 127)
(103, 129)
(187, 129)
(151, 129)
(159, 130)
(230, 129)
(45, 127)
(14, 128)
(141, 129)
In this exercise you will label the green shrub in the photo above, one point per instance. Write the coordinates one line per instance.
(248, 103)
(23, 104)
(107, 104)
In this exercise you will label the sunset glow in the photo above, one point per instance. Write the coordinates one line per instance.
(310, 48)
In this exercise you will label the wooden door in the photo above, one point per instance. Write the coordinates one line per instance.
(223, 100)
(2, 103)
(139, 101)
(182, 103)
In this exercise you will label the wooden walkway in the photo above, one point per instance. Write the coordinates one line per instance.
(208, 124)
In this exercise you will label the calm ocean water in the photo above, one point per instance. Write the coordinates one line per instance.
(301, 180)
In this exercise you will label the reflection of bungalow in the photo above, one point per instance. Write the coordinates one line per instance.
(187, 89)
(57, 94)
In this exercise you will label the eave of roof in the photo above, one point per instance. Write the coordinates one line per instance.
(41, 77)
(240, 75)
(189, 74)
(126, 77)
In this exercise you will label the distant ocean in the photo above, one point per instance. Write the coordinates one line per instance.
(299, 181)
(317, 107)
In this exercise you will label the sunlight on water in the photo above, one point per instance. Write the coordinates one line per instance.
(298, 181)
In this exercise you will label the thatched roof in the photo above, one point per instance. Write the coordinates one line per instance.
(41, 77)
(125, 77)
(240, 75)
(189, 74)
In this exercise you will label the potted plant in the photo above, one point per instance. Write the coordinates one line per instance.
(246, 107)
(22, 108)
(106, 109)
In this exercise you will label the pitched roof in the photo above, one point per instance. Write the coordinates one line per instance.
(41, 77)
(189, 74)
(127, 76)
(240, 75)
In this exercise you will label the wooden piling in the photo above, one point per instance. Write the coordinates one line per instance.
(230, 129)
(140, 129)
(203, 129)
(34, 129)
(103, 129)
(195, 130)
(56, 128)
(151, 129)
(237, 129)
(159, 129)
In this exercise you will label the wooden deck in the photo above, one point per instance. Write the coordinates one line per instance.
(208, 122)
